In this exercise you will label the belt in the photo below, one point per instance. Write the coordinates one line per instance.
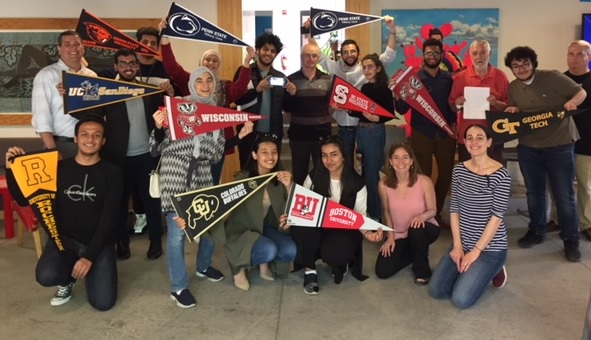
(367, 124)
(63, 139)
(349, 127)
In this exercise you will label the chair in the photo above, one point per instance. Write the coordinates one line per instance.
(7, 206)
(28, 220)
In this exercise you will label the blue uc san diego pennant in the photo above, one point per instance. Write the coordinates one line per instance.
(185, 24)
(84, 92)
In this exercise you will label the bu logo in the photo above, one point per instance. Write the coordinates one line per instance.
(305, 207)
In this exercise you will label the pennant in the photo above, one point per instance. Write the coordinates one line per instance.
(408, 87)
(347, 97)
(184, 24)
(96, 33)
(86, 92)
(190, 118)
(506, 126)
(204, 208)
(36, 177)
(306, 208)
(324, 20)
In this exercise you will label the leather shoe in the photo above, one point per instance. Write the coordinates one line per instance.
(266, 274)
(123, 252)
(155, 250)
(587, 234)
(241, 282)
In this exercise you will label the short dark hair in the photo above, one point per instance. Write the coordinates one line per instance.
(90, 117)
(432, 42)
(65, 34)
(123, 52)
(350, 42)
(268, 38)
(435, 31)
(148, 31)
(521, 53)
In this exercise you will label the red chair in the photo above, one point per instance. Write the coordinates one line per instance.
(28, 220)
(8, 211)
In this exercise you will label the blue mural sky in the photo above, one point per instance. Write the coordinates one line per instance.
(468, 25)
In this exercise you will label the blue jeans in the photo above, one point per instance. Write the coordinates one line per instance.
(370, 143)
(465, 288)
(273, 245)
(175, 250)
(347, 135)
(558, 166)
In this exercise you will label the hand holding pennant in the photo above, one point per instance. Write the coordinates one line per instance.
(187, 119)
(347, 97)
(408, 87)
(306, 208)
(95, 32)
(204, 208)
(184, 24)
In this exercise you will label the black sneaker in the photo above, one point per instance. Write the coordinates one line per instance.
(571, 251)
(311, 284)
(530, 239)
(211, 274)
(63, 295)
(155, 250)
(185, 299)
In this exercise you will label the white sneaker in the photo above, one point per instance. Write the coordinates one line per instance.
(140, 223)
(63, 295)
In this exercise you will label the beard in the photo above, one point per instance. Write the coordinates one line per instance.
(351, 64)
(432, 64)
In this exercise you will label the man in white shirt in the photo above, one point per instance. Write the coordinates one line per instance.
(54, 127)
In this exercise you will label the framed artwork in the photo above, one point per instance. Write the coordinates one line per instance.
(27, 45)
(459, 26)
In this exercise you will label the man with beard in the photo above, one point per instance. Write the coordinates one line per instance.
(349, 68)
(55, 128)
(129, 124)
(579, 53)
(263, 97)
(480, 74)
(427, 139)
(546, 154)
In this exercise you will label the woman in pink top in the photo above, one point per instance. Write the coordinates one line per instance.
(408, 205)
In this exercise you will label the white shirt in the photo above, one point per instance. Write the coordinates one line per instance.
(48, 105)
(335, 194)
(354, 76)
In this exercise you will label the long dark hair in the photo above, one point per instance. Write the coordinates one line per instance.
(381, 76)
(251, 167)
(391, 180)
(321, 176)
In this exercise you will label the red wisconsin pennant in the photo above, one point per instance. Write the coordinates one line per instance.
(96, 33)
(347, 97)
(187, 119)
(408, 87)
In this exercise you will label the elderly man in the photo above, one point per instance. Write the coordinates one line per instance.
(54, 127)
(480, 74)
(309, 113)
(546, 154)
(578, 55)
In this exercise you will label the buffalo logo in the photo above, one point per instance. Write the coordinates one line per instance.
(325, 21)
(188, 117)
(203, 207)
(185, 24)
(97, 33)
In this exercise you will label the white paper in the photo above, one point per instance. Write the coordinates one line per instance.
(476, 104)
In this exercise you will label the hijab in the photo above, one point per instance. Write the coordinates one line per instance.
(212, 98)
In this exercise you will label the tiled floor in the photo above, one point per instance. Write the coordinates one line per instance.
(545, 298)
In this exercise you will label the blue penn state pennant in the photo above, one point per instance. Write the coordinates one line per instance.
(185, 24)
(84, 92)
(324, 20)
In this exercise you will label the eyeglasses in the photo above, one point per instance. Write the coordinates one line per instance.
(432, 54)
(132, 64)
(368, 67)
(524, 66)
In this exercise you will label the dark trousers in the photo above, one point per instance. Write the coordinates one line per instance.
(336, 247)
(301, 151)
(444, 150)
(136, 170)
(55, 268)
(413, 249)
(495, 152)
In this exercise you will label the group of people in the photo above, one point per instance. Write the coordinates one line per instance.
(118, 145)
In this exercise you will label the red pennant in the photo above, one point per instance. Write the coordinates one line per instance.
(347, 97)
(188, 119)
(408, 87)
(94, 32)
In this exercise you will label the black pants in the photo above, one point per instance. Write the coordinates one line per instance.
(413, 249)
(136, 170)
(301, 151)
(336, 247)
(55, 268)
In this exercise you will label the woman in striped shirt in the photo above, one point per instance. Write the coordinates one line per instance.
(479, 197)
